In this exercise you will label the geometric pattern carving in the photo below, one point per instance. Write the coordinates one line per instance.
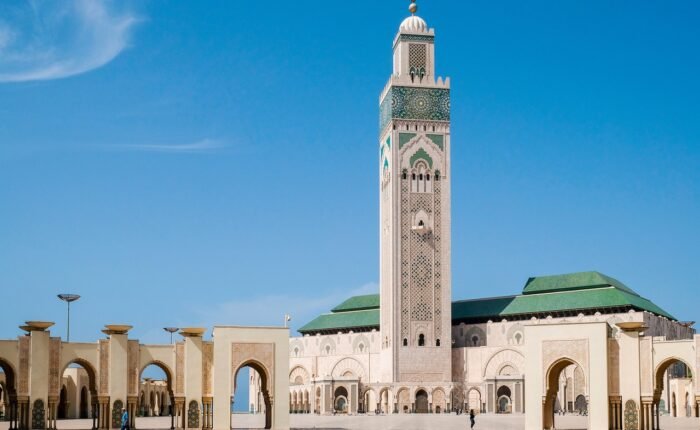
(405, 234)
(180, 369)
(502, 358)
(38, 415)
(207, 362)
(553, 350)
(133, 370)
(104, 366)
(346, 365)
(417, 54)
(421, 154)
(429, 104)
(193, 415)
(24, 343)
(437, 263)
(299, 376)
(54, 357)
(421, 264)
(631, 415)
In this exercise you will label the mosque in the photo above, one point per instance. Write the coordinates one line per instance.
(582, 343)
(412, 349)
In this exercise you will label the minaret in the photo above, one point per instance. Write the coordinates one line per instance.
(415, 274)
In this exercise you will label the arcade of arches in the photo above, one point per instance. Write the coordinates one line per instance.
(44, 379)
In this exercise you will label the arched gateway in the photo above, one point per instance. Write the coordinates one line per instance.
(197, 371)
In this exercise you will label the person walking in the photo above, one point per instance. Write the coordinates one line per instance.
(125, 419)
(472, 417)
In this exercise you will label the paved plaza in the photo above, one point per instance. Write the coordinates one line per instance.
(388, 422)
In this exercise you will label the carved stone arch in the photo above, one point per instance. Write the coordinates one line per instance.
(89, 368)
(296, 348)
(327, 346)
(662, 367)
(505, 367)
(299, 372)
(504, 356)
(360, 339)
(169, 375)
(348, 364)
(421, 148)
(512, 331)
(10, 377)
(423, 329)
(471, 333)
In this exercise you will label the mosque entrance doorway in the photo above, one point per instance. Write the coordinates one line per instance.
(340, 403)
(673, 383)
(422, 402)
(244, 415)
(551, 419)
(504, 400)
(156, 407)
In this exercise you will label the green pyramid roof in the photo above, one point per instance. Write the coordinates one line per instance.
(567, 294)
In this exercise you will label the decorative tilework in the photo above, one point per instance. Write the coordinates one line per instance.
(430, 104)
(193, 415)
(415, 38)
(421, 154)
(404, 138)
(38, 415)
(117, 414)
(438, 139)
(631, 415)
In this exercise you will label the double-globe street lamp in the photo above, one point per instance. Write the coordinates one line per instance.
(68, 298)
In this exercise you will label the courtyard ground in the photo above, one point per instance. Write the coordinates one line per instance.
(386, 422)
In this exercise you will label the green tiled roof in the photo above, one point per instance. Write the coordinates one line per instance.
(343, 321)
(599, 298)
(572, 281)
(358, 303)
(584, 291)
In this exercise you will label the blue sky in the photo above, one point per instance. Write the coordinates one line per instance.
(190, 163)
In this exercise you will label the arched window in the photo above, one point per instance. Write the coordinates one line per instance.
(475, 340)
(404, 174)
(421, 339)
(405, 342)
(328, 349)
(437, 342)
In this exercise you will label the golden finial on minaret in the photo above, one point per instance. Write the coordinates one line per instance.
(413, 8)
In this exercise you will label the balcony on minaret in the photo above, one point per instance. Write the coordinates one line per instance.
(421, 225)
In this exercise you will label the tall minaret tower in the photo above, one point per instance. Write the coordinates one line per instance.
(415, 274)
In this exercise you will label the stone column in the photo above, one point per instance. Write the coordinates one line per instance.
(23, 413)
(104, 420)
(51, 413)
(131, 406)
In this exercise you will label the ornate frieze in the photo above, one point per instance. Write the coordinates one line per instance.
(429, 104)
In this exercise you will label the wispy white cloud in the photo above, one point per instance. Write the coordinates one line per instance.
(200, 146)
(46, 40)
(269, 310)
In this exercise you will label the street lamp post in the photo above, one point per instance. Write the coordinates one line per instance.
(68, 298)
(171, 330)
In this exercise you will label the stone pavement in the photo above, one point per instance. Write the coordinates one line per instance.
(386, 422)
